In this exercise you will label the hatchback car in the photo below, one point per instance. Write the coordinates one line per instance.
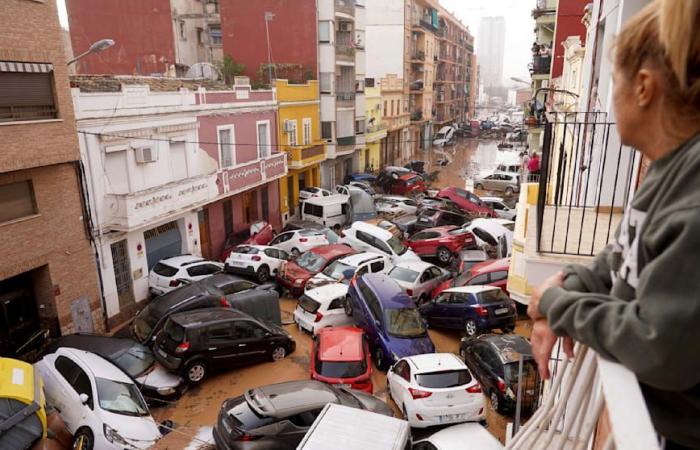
(341, 356)
(277, 416)
(344, 269)
(195, 343)
(475, 269)
(467, 201)
(389, 318)
(508, 183)
(322, 307)
(259, 233)
(99, 404)
(431, 218)
(465, 436)
(294, 275)
(309, 192)
(473, 309)
(171, 273)
(364, 237)
(299, 241)
(494, 359)
(409, 185)
(441, 242)
(503, 211)
(435, 389)
(418, 279)
(258, 261)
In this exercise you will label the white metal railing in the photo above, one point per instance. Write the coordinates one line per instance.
(574, 401)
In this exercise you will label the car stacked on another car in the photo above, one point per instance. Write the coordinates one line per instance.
(310, 192)
(294, 275)
(489, 272)
(503, 211)
(441, 242)
(467, 201)
(418, 279)
(341, 356)
(322, 307)
(299, 241)
(432, 218)
(409, 184)
(258, 261)
(391, 206)
(171, 273)
(344, 269)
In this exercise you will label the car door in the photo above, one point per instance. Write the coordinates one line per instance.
(282, 241)
(70, 380)
(436, 277)
(479, 366)
(425, 283)
(499, 279)
(439, 312)
(488, 182)
(221, 345)
(399, 379)
(425, 242)
(251, 340)
(458, 309)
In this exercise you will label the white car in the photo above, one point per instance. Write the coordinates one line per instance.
(309, 192)
(445, 136)
(435, 389)
(260, 261)
(418, 279)
(322, 307)
(491, 232)
(299, 241)
(365, 237)
(503, 211)
(171, 273)
(465, 436)
(344, 269)
(100, 405)
(508, 224)
(395, 206)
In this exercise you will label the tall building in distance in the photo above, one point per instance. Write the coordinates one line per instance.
(490, 47)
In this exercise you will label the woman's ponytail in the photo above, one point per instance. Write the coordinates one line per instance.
(680, 38)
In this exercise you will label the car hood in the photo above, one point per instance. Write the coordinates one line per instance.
(293, 272)
(141, 432)
(408, 256)
(372, 403)
(403, 347)
(159, 377)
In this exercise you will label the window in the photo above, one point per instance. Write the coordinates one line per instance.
(371, 300)
(377, 266)
(326, 82)
(324, 32)
(75, 376)
(263, 139)
(360, 126)
(403, 370)
(292, 132)
(183, 31)
(392, 108)
(220, 331)
(479, 280)
(313, 210)
(17, 200)
(226, 147)
(327, 130)
(500, 275)
(236, 287)
(203, 270)
(272, 252)
(307, 131)
(26, 92)
(215, 35)
(386, 111)
(359, 86)
(228, 218)
(337, 303)
(247, 330)
(200, 35)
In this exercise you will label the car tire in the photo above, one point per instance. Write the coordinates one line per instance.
(83, 439)
(495, 404)
(470, 328)
(263, 273)
(509, 191)
(278, 353)
(379, 358)
(347, 306)
(444, 255)
(479, 186)
(195, 372)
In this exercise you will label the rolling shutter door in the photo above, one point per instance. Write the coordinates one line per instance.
(162, 242)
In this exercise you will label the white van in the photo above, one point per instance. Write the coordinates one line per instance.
(336, 427)
(328, 211)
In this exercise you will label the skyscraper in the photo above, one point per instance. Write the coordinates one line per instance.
(490, 47)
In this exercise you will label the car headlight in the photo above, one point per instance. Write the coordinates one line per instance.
(166, 390)
(113, 436)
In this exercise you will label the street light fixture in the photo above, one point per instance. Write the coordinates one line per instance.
(520, 80)
(102, 44)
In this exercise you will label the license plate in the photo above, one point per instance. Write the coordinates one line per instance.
(451, 417)
(237, 263)
(346, 386)
(501, 311)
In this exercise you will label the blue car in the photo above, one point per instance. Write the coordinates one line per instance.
(360, 176)
(473, 309)
(389, 318)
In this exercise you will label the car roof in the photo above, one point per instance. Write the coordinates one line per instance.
(358, 258)
(388, 291)
(301, 224)
(492, 199)
(399, 198)
(328, 292)
(418, 266)
(408, 176)
(332, 251)
(291, 397)
(465, 436)
(340, 344)
(106, 346)
(434, 362)
(491, 265)
(99, 366)
(472, 289)
(180, 261)
(509, 346)
(328, 200)
(372, 229)
(259, 247)
(206, 316)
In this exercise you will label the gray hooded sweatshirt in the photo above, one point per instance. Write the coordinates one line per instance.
(639, 302)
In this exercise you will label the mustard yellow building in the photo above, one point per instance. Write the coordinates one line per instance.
(376, 130)
(299, 131)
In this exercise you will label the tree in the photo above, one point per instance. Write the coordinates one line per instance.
(230, 69)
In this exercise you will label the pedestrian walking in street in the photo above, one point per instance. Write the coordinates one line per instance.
(638, 303)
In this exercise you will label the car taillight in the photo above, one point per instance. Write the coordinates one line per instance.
(303, 240)
(409, 292)
(223, 302)
(174, 283)
(501, 385)
(318, 318)
(480, 310)
(182, 347)
(417, 393)
(476, 389)
(256, 258)
(245, 437)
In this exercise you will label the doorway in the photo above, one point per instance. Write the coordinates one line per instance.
(204, 239)
(122, 273)
(265, 200)
(19, 317)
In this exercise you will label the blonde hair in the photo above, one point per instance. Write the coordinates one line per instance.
(664, 36)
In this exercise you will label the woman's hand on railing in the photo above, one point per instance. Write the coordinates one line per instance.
(533, 306)
(542, 341)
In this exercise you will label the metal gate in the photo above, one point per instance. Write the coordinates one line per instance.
(162, 242)
(122, 273)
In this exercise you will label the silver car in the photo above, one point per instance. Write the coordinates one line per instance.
(277, 416)
(503, 211)
(509, 183)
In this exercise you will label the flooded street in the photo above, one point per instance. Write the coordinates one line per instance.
(196, 412)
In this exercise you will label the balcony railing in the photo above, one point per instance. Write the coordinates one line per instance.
(22, 113)
(587, 179)
(302, 156)
(346, 140)
(541, 65)
(345, 96)
(416, 116)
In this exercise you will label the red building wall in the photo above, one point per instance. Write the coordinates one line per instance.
(569, 15)
(293, 33)
(142, 31)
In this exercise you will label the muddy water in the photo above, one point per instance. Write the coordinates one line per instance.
(199, 406)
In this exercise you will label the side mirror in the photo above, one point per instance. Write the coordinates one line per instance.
(84, 398)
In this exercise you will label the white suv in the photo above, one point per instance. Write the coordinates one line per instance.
(344, 269)
(171, 273)
(259, 261)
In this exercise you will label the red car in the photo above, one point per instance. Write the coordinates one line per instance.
(493, 272)
(340, 355)
(259, 233)
(294, 274)
(408, 184)
(467, 201)
(441, 242)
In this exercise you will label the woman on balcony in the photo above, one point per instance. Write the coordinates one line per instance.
(639, 302)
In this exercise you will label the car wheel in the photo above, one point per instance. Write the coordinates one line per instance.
(443, 255)
(83, 439)
(263, 273)
(347, 306)
(195, 372)
(494, 402)
(379, 358)
(278, 353)
(470, 328)
(509, 191)
(479, 186)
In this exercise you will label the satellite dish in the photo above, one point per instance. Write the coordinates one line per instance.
(203, 70)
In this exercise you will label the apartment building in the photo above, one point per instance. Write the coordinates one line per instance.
(376, 132)
(397, 119)
(48, 278)
(152, 37)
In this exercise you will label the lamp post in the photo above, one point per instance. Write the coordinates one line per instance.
(102, 44)
(520, 80)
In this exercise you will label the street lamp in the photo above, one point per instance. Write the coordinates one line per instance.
(102, 44)
(519, 80)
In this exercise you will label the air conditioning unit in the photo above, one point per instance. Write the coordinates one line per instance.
(146, 155)
(345, 26)
(289, 126)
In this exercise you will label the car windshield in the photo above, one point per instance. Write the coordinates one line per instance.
(492, 296)
(246, 250)
(405, 323)
(135, 361)
(339, 271)
(308, 304)
(403, 274)
(396, 245)
(311, 261)
(164, 270)
(120, 398)
(529, 372)
(444, 379)
(144, 323)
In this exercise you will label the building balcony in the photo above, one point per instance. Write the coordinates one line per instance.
(417, 116)
(346, 140)
(302, 157)
(540, 65)
(396, 122)
(345, 99)
(346, 7)
(375, 133)
(345, 53)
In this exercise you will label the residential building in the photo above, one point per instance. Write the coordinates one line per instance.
(299, 135)
(48, 277)
(397, 146)
(491, 47)
(568, 23)
(152, 37)
(375, 129)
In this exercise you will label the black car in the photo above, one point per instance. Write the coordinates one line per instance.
(220, 289)
(277, 416)
(195, 343)
(134, 359)
(431, 218)
(494, 360)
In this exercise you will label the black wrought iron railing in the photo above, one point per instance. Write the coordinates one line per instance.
(586, 179)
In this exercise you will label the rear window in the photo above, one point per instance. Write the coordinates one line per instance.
(164, 270)
(340, 369)
(310, 233)
(308, 304)
(402, 274)
(493, 296)
(444, 379)
(246, 250)
(529, 372)
(313, 210)
(174, 332)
